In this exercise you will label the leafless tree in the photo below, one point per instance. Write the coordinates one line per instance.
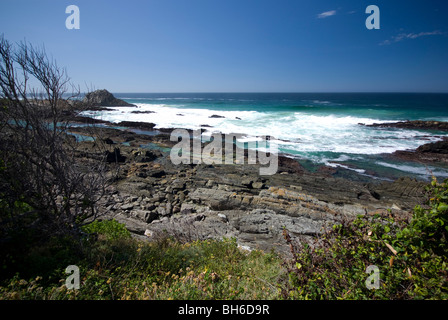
(43, 182)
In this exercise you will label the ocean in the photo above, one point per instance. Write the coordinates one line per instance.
(314, 128)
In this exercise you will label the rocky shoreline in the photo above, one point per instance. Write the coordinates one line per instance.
(152, 196)
(434, 152)
(415, 124)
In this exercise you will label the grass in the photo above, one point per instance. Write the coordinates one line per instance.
(124, 268)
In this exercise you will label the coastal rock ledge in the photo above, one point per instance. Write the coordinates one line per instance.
(414, 124)
(103, 98)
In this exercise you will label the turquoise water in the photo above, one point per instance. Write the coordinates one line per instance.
(315, 128)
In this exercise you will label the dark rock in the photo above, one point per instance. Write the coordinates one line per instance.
(81, 119)
(143, 112)
(435, 152)
(115, 156)
(216, 116)
(416, 124)
(289, 165)
(103, 98)
(434, 147)
(406, 191)
(138, 125)
(145, 156)
(108, 141)
(156, 173)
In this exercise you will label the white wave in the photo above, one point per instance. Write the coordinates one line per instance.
(296, 132)
(335, 165)
(424, 171)
(249, 139)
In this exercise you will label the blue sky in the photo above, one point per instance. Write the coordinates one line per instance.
(240, 45)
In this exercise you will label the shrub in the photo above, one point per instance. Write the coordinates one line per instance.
(410, 255)
(111, 229)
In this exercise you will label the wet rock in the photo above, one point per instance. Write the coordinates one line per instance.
(416, 124)
(143, 112)
(139, 125)
(434, 147)
(434, 152)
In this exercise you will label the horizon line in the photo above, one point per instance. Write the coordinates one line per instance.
(269, 92)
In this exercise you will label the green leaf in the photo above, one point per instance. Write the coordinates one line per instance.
(442, 207)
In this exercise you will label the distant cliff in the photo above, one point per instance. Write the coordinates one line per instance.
(103, 98)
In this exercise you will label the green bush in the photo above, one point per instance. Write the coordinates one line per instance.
(410, 255)
(111, 229)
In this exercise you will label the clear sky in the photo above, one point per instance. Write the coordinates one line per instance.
(240, 45)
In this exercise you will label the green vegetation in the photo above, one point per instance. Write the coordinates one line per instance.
(115, 266)
(411, 255)
(110, 229)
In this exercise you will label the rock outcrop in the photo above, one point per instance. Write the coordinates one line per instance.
(440, 147)
(415, 124)
(434, 152)
(103, 98)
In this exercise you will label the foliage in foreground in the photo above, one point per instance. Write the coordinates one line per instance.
(411, 256)
(119, 267)
(48, 184)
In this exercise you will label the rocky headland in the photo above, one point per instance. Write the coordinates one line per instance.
(103, 98)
